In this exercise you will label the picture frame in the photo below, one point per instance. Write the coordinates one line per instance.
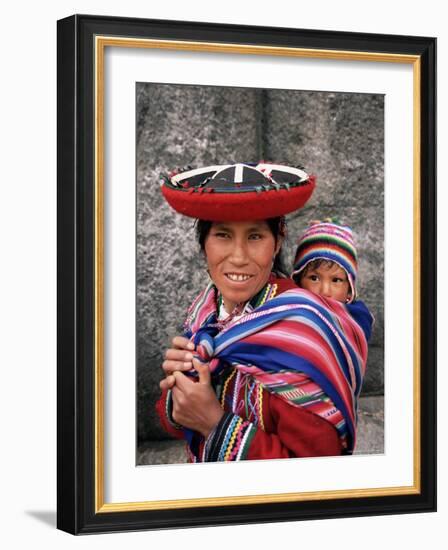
(82, 203)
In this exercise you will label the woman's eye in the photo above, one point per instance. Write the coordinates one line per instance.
(255, 236)
(221, 235)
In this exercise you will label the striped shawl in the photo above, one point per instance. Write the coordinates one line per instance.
(309, 350)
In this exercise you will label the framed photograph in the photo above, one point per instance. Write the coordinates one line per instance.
(145, 107)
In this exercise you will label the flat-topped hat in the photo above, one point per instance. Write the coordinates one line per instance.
(238, 192)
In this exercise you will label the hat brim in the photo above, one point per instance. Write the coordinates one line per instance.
(203, 204)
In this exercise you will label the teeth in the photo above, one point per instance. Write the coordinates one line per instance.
(239, 278)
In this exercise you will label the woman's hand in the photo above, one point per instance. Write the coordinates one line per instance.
(195, 404)
(177, 358)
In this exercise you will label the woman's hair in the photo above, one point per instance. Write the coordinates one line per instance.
(276, 226)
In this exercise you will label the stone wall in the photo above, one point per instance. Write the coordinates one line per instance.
(337, 136)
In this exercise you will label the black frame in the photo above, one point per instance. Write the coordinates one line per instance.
(76, 226)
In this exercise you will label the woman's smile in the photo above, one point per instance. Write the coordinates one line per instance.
(238, 277)
(240, 256)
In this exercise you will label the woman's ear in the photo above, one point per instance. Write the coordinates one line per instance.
(278, 245)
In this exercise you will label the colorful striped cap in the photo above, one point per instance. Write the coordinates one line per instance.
(328, 240)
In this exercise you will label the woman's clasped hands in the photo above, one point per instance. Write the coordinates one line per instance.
(195, 404)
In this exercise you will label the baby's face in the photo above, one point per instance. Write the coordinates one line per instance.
(327, 281)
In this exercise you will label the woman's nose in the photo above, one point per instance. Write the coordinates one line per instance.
(238, 253)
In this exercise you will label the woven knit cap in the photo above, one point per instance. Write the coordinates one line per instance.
(238, 192)
(328, 240)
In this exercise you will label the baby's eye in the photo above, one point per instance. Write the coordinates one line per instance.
(313, 277)
(338, 280)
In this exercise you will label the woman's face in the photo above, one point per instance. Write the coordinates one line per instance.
(239, 258)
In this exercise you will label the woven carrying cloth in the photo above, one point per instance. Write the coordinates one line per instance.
(308, 350)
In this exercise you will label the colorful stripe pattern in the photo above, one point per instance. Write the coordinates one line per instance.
(328, 241)
(229, 441)
(306, 349)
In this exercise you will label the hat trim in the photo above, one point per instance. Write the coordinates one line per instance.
(258, 188)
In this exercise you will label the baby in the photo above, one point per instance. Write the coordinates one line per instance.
(326, 261)
(326, 264)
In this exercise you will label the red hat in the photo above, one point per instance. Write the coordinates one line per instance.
(238, 192)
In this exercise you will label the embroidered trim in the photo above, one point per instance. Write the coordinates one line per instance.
(260, 406)
(224, 389)
(229, 440)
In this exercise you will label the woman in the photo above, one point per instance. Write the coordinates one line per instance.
(253, 377)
